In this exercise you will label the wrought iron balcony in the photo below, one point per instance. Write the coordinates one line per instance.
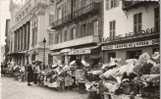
(143, 33)
(127, 4)
(76, 14)
(62, 21)
(93, 7)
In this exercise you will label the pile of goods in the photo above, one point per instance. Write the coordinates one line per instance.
(137, 77)
(19, 72)
(58, 77)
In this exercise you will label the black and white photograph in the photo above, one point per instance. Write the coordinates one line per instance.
(80, 49)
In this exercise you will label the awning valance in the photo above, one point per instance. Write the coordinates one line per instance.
(82, 51)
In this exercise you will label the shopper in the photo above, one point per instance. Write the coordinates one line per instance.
(36, 72)
(29, 74)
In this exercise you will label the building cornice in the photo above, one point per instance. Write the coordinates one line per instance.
(35, 10)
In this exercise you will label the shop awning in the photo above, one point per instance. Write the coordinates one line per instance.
(65, 50)
(55, 53)
(82, 51)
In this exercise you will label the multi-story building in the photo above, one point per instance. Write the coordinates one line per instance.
(29, 27)
(130, 28)
(77, 29)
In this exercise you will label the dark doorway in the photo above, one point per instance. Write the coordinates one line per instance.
(133, 54)
(111, 55)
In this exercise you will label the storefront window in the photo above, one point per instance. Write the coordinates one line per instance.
(133, 54)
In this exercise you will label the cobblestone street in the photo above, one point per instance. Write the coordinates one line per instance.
(12, 89)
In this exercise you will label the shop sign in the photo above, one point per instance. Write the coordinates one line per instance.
(65, 50)
(131, 45)
(79, 51)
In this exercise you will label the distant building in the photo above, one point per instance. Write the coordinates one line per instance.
(29, 25)
(77, 30)
(130, 28)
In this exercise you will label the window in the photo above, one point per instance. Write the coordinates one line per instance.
(112, 29)
(83, 30)
(34, 33)
(111, 4)
(56, 38)
(59, 13)
(137, 22)
(65, 35)
(51, 36)
(73, 33)
(95, 27)
(51, 18)
(157, 19)
(60, 36)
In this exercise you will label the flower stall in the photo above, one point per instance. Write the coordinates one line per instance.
(137, 79)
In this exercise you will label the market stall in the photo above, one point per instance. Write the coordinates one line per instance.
(137, 79)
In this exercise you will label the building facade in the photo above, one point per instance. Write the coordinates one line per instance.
(77, 29)
(130, 28)
(29, 27)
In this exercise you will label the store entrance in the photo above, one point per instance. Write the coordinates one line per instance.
(133, 54)
(111, 55)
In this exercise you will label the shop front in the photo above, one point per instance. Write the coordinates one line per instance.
(89, 54)
(130, 49)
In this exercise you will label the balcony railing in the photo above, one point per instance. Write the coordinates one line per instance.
(92, 7)
(76, 42)
(127, 4)
(62, 21)
(142, 33)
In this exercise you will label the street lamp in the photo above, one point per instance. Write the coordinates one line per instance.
(44, 41)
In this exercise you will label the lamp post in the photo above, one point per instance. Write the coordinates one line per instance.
(44, 42)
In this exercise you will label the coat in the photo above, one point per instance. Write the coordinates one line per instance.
(29, 73)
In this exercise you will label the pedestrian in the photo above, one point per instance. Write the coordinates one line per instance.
(29, 74)
(36, 72)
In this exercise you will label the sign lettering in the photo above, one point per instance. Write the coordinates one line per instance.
(131, 45)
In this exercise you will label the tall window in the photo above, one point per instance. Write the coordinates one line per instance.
(65, 35)
(137, 22)
(83, 30)
(59, 13)
(112, 29)
(51, 38)
(111, 4)
(51, 18)
(157, 19)
(56, 37)
(73, 33)
(34, 33)
(95, 23)
(60, 36)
